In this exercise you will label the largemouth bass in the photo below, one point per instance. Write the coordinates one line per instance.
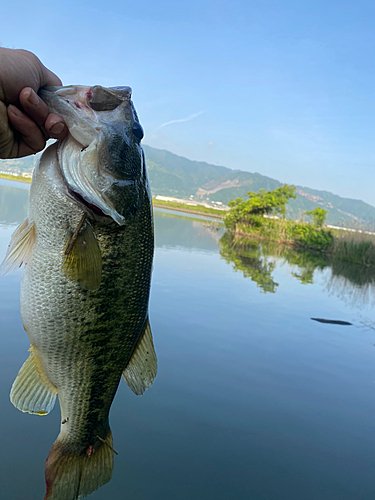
(87, 245)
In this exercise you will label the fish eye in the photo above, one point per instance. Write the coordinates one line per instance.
(137, 131)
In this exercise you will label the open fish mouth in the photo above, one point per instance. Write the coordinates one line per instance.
(79, 106)
(101, 153)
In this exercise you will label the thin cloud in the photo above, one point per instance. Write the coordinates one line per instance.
(181, 120)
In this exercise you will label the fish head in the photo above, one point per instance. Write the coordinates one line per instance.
(101, 161)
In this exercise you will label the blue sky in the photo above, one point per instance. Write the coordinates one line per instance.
(284, 88)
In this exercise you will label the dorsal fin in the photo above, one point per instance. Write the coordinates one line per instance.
(20, 247)
(143, 365)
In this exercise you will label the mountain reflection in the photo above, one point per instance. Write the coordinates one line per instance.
(257, 261)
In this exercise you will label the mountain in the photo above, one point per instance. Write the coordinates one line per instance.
(178, 177)
(172, 175)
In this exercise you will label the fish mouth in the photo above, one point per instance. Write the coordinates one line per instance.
(84, 156)
(84, 98)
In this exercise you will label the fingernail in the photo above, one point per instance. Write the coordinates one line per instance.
(57, 128)
(15, 110)
(33, 98)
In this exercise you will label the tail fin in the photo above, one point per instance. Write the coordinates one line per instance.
(70, 477)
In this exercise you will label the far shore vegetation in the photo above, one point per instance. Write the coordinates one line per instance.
(262, 216)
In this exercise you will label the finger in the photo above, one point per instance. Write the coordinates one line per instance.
(33, 105)
(6, 134)
(50, 78)
(32, 140)
(37, 109)
(55, 127)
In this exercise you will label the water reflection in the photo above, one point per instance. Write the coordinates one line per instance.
(249, 258)
(257, 261)
(171, 233)
(13, 204)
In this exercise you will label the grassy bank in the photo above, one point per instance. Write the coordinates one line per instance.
(193, 209)
(347, 246)
(354, 247)
(287, 232)
(18, 178)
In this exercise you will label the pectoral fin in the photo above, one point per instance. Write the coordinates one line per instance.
(32, 392)
(143, 365)
(20, 247)
(83, 263)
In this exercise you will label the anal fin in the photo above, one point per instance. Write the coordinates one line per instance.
(32, 392)
(20, 247)
(143, 365)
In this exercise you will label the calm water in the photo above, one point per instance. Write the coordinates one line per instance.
(253, 399)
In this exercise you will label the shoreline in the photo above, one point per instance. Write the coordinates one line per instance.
(155, 203)
(187, 210)
(16, 178)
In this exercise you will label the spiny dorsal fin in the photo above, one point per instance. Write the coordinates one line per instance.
(143, 365)
(84, 261)
(20, 247)
(32, 392)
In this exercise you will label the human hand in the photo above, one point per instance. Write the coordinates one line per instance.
(25, 121)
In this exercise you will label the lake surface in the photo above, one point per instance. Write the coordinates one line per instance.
(253, 399)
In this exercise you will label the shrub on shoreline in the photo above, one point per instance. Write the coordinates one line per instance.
(289, 232)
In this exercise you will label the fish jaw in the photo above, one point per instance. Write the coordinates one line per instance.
(101, 160)
(62, 100)
(74, 103)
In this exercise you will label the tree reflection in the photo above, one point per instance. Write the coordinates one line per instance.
(303, 262)
(250, 260)
(257, 261)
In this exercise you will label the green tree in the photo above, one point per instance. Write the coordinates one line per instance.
(258, 205)
(319, 216)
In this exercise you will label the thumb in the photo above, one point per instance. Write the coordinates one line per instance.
(49, 78)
